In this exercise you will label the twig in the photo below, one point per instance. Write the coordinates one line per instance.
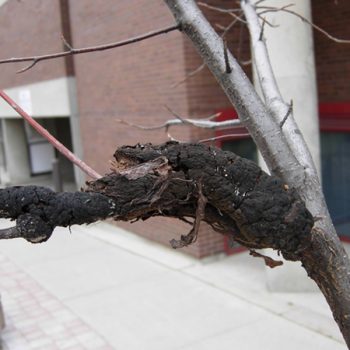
(189, 75)
(71, 51)
(228, 28)
(66, 43)
(230, 12)
(9, 233)
(265, 21)
(264, 70)
(223, 137)
(268, 260)
(58, 145)
(218, 9)
(274, 101)
(262, 29)
(171, 138)
(228, 68)
(289, 112)
(313, 25)
(202, 66)
(202, 123)
(177, 116)
(192, 236)
(275, 8)
(246, 63)
(259, 2)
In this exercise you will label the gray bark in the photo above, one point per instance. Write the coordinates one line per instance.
(289, 158)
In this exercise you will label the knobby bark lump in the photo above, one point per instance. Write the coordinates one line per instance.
(171, 179)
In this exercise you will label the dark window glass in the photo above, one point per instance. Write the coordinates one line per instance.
(243, 147)
(335, 153)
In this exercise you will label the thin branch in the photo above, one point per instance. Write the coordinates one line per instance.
(9, 233)
(278, 108)
(224, 137)
(229, 27)
(313, 25)
(259, 2)
(171, 138)
(273, 7)
(268, 260)
(289, 112)
(189, 75)
(265, 21)
(227, 63)
(201, 123)
(230, 12)
(202, 66)
(66, 43)
(218, 9)
(261, 36)
(262, 62)
(175, 115)
(246, 63)
(71, 51)
(58, 145)
(192, 236)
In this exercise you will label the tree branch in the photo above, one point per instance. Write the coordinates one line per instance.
(58, 145)
(224, 137)
(230, 193)
(231, 12)
(71, 51)
(278, 108)
(202, 66)
(331, 275)
(10, 233)
(38, 210)
(252, 112)
(200, 123)
(313, 25)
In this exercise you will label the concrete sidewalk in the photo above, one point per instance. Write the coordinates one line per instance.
(104, 288)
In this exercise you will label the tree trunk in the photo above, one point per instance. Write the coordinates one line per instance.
(325, 259)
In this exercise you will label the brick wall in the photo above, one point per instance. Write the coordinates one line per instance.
(30, 28)
(205, 96)
(134, 83)
(332, 59)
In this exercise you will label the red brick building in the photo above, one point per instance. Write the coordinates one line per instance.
(81, 98)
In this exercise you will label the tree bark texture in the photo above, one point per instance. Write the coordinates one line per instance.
(183, 181)
(325, 260)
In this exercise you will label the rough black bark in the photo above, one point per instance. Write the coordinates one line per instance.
(38, 210)
(230, 193)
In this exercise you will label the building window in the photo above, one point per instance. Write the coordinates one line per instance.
(244, 147)
(335, 160)
(238, 140)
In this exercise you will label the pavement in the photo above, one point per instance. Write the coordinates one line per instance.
(100, 287)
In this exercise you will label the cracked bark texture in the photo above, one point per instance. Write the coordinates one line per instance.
(184, 181)
(38, 210)
(325, 261)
